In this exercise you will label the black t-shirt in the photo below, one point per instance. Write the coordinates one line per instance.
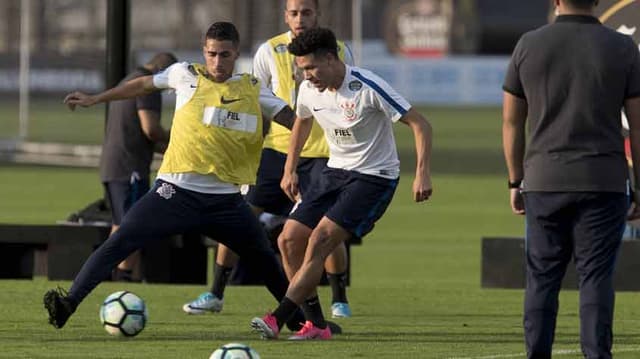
(126, 149)
(575, 75)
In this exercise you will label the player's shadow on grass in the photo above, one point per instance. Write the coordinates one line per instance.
(177, 335)
(461, 336)
(425, 337)
(435, 337)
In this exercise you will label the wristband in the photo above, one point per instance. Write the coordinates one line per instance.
(514, 184)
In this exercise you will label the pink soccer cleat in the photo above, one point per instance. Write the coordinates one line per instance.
(310, 331)
(267, 326)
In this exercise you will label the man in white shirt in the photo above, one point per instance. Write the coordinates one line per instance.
(274, 66)
(216, 138)
(356, 109)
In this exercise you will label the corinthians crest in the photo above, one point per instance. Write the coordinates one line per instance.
(348, 110)
(166, 191)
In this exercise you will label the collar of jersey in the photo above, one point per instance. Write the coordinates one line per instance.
(583, 19)
(203, 72)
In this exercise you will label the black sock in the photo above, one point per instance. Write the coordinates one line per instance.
(313, 312)
(122, 275)
(220, 278)
(296, 321)
(338, 282)
(285, 310)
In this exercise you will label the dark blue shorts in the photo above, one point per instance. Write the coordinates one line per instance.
(353, 200)
(267, 194)
(123, 194)
(169, 210)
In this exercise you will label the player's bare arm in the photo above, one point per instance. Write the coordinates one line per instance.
(514, 115)
(423, 134)
(299, 134)
(632, 109)
(136, 87)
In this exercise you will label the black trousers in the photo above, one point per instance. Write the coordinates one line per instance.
(589, 227)
(169, 210)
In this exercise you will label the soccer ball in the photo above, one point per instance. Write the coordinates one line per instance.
(123, 313)
(234, 351)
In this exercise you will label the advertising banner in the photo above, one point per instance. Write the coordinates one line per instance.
(622, 16)
(419, 28)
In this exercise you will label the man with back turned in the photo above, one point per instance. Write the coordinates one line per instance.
(568, 81)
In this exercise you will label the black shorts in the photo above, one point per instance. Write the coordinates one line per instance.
(353, 200)
(267, 194)
(123, 194)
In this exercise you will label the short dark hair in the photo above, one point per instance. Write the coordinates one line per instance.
(162, 60)
(317, 41)
(223, 31)
(315, 3)
(582, 4)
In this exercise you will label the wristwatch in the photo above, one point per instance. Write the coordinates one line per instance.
(514, 184)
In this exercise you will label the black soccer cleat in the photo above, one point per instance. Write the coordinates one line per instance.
(334, 327)
(58, 306)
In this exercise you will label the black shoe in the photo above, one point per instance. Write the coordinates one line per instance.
(335, 328)
(58, 306)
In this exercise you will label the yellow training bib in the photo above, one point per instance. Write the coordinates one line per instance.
(218, 131)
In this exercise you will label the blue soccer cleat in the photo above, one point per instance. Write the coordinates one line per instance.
(340, 310)
(206, 302)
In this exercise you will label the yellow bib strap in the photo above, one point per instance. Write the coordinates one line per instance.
(279, 136)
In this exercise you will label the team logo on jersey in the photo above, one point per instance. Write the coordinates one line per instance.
(280, 48)
(355, 85)
(166, 191)
(349, 111)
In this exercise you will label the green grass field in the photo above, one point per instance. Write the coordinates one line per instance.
(415, 287)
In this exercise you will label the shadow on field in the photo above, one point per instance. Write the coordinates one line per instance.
(408, 336)
(457, 161)
(437, 337)
(152, 337)
(470, 337)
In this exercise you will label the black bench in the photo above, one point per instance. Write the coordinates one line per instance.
(503, 265)
(58, 252)
(55, 251)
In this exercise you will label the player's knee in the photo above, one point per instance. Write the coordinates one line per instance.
(289, 243)
(321, 240)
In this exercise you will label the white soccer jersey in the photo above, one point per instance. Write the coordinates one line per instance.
(264, 65)
(184, 81)
(356, 119)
